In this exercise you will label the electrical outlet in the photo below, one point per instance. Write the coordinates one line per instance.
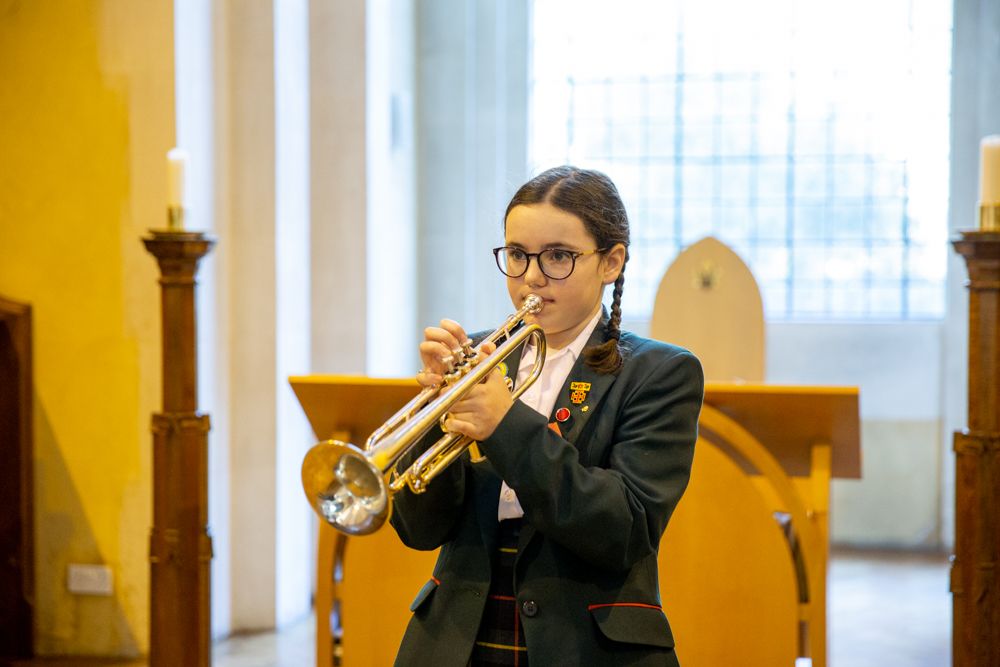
(90, 580)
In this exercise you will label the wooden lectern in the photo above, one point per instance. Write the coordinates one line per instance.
(752, 526)
(370, 606)
(736, 587)
(724, 562)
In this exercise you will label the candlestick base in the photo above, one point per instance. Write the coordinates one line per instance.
(989, 217)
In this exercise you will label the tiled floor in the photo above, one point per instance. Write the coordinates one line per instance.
(293, 647)
(886, 609)
(889, 608)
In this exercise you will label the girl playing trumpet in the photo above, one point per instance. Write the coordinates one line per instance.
(548, 548)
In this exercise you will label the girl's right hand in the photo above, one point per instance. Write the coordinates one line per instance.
(439, 342)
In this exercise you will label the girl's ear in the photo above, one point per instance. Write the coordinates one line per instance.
(614, 260)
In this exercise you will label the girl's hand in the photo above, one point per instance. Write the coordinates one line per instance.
(437, 346)
(480, 411)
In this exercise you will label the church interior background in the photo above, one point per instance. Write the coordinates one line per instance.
(353, 159)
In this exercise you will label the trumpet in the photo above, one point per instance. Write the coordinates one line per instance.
(352, 488)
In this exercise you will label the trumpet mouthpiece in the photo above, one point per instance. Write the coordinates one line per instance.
(533, 303)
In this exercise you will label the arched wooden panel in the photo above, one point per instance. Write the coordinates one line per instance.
(727, 579)
(811, 531)
(709, 303)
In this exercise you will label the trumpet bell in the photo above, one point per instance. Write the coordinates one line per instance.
(345, 488)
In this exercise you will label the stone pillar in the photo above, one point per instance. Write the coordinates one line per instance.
(180, 550)
(975, 579)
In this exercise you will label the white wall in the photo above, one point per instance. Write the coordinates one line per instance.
(391, 248)
(338, 177)
(472, 115)
(897, 367)
(197, 40)
(242, 108)
(294, 559)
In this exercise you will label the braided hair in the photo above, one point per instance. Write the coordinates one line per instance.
(591, 196)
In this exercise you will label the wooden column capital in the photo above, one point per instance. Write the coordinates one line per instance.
(180, 548)
(975, 579)
(178, 245)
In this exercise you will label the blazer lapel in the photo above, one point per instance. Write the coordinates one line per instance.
(592, 386)
(583, 390)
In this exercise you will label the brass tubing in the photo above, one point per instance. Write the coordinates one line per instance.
(440, 455)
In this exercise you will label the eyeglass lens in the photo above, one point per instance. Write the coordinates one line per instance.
(555, 263)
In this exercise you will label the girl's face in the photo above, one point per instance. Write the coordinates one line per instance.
(570, 303)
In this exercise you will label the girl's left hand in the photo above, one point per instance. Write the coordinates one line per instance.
(480, 411)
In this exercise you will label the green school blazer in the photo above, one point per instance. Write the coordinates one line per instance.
(596, 501)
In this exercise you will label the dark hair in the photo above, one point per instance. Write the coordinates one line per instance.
(592, 197)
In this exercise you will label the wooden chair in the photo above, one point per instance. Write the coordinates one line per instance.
(748, 594)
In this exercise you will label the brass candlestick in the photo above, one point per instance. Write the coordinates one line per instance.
(989, 217)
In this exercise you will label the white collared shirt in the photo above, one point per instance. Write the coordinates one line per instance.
(542, 395)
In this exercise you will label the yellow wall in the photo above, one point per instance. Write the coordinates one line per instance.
(86, 117)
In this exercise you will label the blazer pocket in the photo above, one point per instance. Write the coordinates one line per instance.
(424, 593)
(633, 624)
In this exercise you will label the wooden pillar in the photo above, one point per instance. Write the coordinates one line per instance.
(180, 549)
(975, 580)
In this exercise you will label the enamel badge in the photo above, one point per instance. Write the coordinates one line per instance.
(578, 392)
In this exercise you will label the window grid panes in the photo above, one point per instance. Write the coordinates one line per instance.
(807, 163)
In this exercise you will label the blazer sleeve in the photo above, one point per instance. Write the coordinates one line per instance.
(614, 515)
(427, 520)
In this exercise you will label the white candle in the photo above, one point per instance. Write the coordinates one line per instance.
(176, 159)
(989, 170)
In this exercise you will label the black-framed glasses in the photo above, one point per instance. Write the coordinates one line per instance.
(554, 263)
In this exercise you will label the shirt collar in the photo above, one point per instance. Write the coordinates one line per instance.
(573, 349)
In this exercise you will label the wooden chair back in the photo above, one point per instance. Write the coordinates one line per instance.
(709, 303)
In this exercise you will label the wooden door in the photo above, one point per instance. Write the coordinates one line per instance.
(16, 516)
